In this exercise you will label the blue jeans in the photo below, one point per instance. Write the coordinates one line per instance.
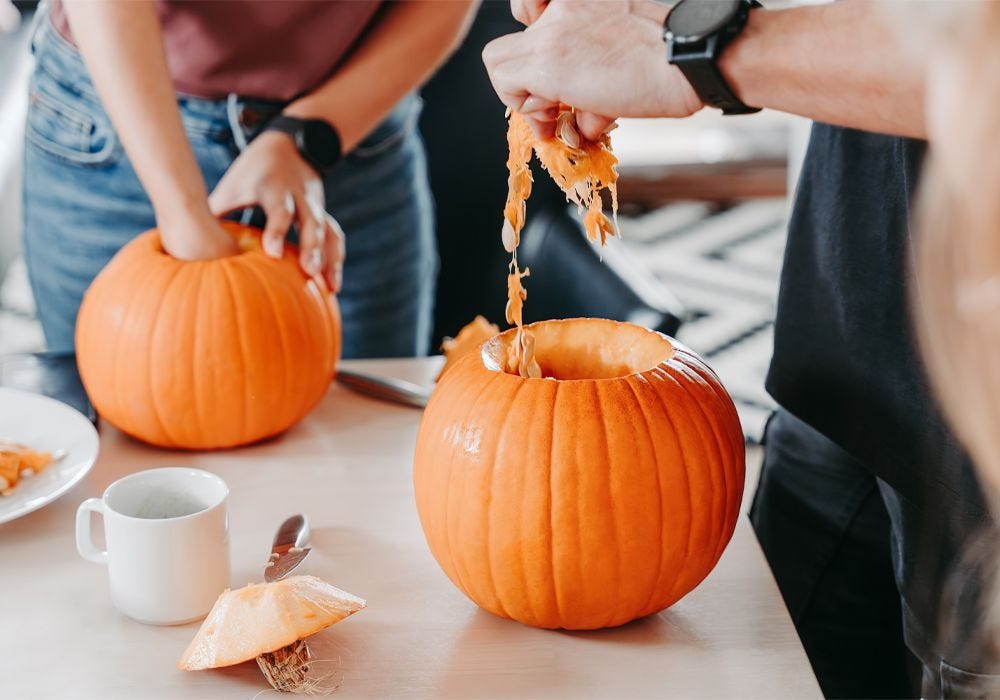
(83, 202)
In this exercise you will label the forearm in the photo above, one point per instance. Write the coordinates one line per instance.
(411, 39)
(840, 63)
(122, 45)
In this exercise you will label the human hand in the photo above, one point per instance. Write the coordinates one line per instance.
(542, 114)
(192, 234)
(271, 173)
(527, 11)
(603, 57)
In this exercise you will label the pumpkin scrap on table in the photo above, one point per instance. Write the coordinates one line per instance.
(18, 461)
(582, 169)
(269, 622)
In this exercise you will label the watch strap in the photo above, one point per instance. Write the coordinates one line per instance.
(295, 127)
(711, 86)
(284, 124)
(700, 65)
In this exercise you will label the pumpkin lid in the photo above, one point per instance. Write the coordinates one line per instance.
(247, 622)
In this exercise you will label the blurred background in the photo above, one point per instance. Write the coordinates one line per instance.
(703, 212)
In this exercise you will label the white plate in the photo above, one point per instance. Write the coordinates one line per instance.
(45, 424)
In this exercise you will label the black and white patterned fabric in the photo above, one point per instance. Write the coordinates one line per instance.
(723, 263)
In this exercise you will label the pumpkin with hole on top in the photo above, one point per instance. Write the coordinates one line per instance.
(602, 492)
(206, 354)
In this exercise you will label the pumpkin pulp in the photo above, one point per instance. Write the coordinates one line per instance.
(582, 169)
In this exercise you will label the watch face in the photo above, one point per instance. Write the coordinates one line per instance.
(321, 142)
(693, 20)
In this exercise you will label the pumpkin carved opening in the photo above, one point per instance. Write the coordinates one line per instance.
(245, 238)
(584, 348)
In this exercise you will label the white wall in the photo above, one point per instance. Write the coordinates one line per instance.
(13, 107)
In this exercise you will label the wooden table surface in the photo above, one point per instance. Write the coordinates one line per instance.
(348, 466)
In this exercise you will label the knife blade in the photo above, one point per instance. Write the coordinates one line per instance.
(288, 549)
(385, 388)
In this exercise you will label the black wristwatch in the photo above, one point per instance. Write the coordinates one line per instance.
(696, 32)
(316, 140)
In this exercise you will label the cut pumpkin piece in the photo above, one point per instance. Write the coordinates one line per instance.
(15, 461)
(472, 335)
(248, 622)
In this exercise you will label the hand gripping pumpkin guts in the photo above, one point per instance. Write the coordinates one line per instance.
(582, 169)
(575, 473)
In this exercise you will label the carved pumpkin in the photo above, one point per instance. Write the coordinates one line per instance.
(600, 493)
(210, 353)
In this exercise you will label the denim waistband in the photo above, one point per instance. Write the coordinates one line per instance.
(242, 116)
(63, 62)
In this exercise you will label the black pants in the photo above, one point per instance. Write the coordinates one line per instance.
(834, 548)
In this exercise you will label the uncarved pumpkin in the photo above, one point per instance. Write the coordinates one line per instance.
(209, 353)
(596, 495)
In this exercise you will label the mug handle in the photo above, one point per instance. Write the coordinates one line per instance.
(84, 543)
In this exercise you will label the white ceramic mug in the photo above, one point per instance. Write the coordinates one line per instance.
(167, 543)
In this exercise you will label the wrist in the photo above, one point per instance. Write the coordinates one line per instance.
(178, 192)
(280, 142)
(739, 62)
(316, 141)
(176, 216)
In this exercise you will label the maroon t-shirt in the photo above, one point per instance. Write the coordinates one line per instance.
(268, 49)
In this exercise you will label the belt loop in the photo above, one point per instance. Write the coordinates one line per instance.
(38, 26)
(233, 115)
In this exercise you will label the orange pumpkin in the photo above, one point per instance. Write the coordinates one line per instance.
(598, 494)
(210, 353)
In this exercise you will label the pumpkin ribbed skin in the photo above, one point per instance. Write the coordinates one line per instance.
(206, 354)
(579, 503)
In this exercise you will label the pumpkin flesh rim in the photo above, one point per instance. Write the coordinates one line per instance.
(583, 349)
(247, 240)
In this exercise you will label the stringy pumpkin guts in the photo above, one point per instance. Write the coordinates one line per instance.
(582, 169)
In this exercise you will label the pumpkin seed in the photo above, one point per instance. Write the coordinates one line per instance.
(509, 237)
(566, 131)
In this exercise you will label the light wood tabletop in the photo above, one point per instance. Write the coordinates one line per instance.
(348, 467)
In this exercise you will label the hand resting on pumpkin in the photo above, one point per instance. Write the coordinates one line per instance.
(272, 174)
(122, 45)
